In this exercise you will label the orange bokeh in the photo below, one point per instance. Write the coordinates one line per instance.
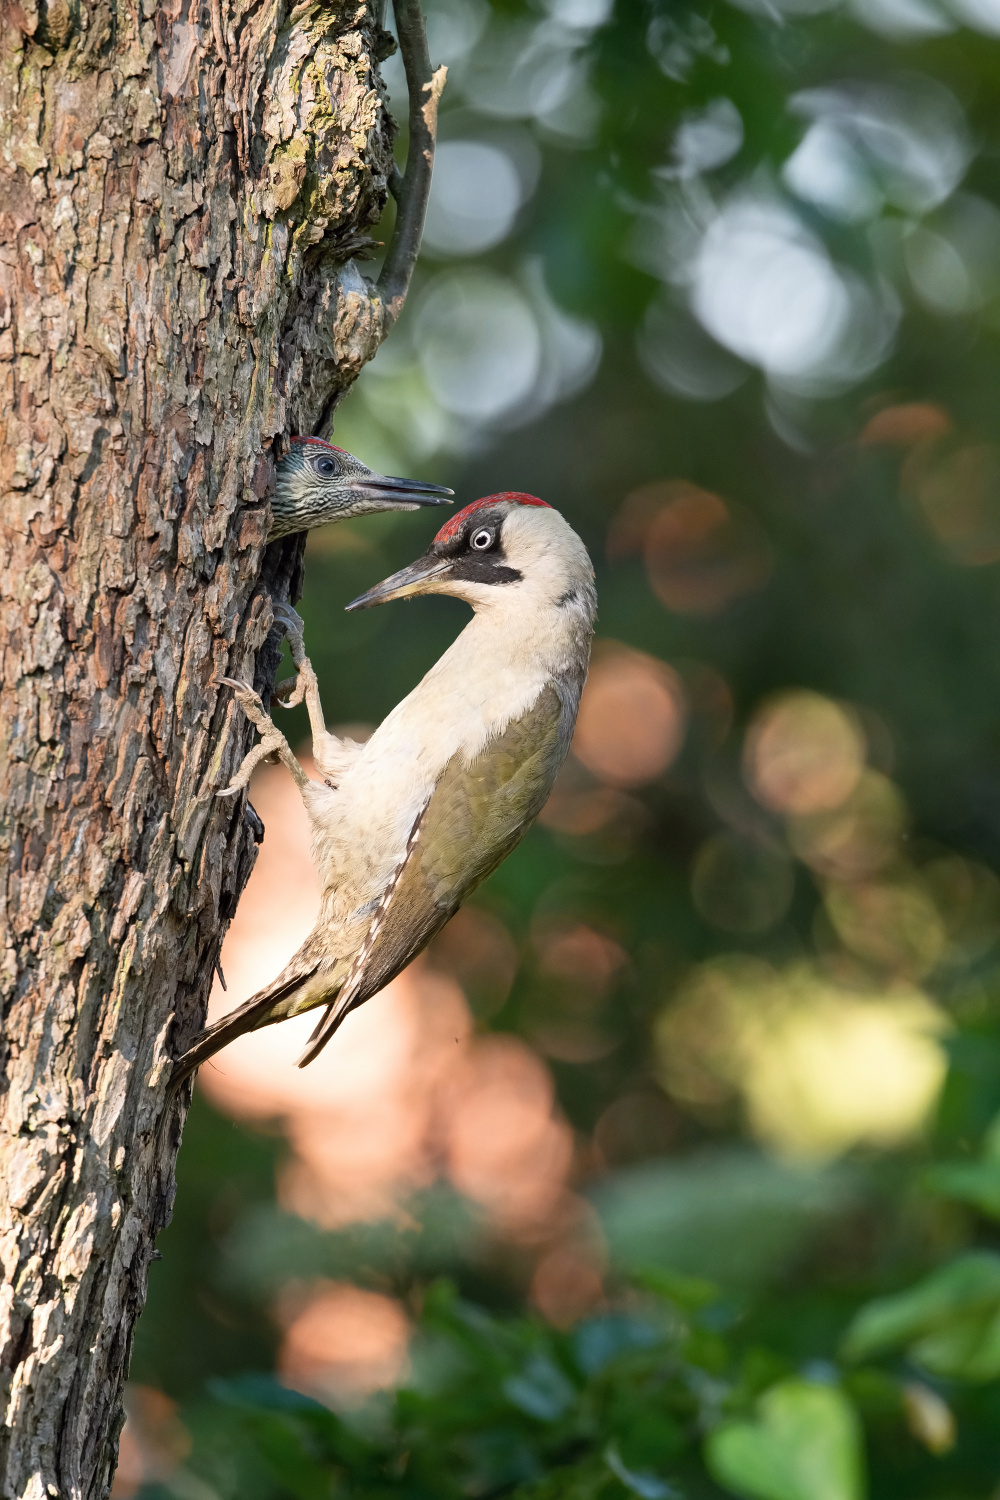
(803, 754)
(504, 1147)
(153, 1442)
(341, 1343)
(702, 553)
(959, 495)
(633, 715)
(567, 1285)
(405, 1094)
(580, 809)
(904, 424)
(588, 959)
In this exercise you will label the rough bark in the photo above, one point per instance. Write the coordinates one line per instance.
(181, 188)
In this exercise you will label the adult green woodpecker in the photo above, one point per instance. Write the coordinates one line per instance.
(315, 482)
(407, 825)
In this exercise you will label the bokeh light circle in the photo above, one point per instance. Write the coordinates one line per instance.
(475, 196)
(632, 718)
(803, 754)
(702, 553)
(479, 344)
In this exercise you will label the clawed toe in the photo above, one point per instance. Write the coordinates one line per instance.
(287, 694)
(249, 700)
(285, 615)
(245, 694)
(292, 691)
(272, 742)
(294, 626)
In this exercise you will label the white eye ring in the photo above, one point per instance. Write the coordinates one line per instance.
(482, 540)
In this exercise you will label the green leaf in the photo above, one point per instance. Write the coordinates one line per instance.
(968, 1350)
(949, 1322)
(691, 1293)
(805, 1445)
(597, 1341)
(647, 1486)
(265, 1393)
(541, 1390)
(587, 1480)
(730, 1217)
(975, 1182)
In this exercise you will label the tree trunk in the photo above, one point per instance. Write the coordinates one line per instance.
(181, 189)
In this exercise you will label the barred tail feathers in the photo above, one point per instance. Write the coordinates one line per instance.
(304, 983)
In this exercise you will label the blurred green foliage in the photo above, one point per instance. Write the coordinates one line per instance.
(754, 252)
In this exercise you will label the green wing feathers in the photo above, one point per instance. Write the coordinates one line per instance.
(478, 812)
(475, 816)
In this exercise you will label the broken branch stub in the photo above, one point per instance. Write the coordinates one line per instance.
(424, 86)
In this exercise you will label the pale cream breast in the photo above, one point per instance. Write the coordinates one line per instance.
(520, 638)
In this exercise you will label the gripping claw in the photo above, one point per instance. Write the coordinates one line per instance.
(284, 694)
(272, 742)
(285, 615)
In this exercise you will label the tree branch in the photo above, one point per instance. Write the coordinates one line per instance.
(424, 87)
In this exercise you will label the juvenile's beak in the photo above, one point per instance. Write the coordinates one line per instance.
(416, 579)
(390, 493)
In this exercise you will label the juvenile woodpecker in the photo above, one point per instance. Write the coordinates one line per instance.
(406, 826)
(316, 483)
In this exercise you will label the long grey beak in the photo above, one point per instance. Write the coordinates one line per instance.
(402, 494)
(406, 583)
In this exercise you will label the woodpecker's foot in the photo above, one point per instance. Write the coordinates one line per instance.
(272, 741)
(293, 622)
(250, 701)
(305, 687)
(294, 625)
(329, 752)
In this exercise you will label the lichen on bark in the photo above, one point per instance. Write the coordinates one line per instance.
(182, 189)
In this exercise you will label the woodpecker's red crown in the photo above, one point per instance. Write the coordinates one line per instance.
(452, 527)
(321, 442)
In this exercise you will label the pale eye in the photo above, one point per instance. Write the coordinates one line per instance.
(325, 466)
(481, 540)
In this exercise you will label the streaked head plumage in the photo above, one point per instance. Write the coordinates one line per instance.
(316, 482)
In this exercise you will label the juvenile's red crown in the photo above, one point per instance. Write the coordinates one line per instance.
(320, 442)
(453, 526)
